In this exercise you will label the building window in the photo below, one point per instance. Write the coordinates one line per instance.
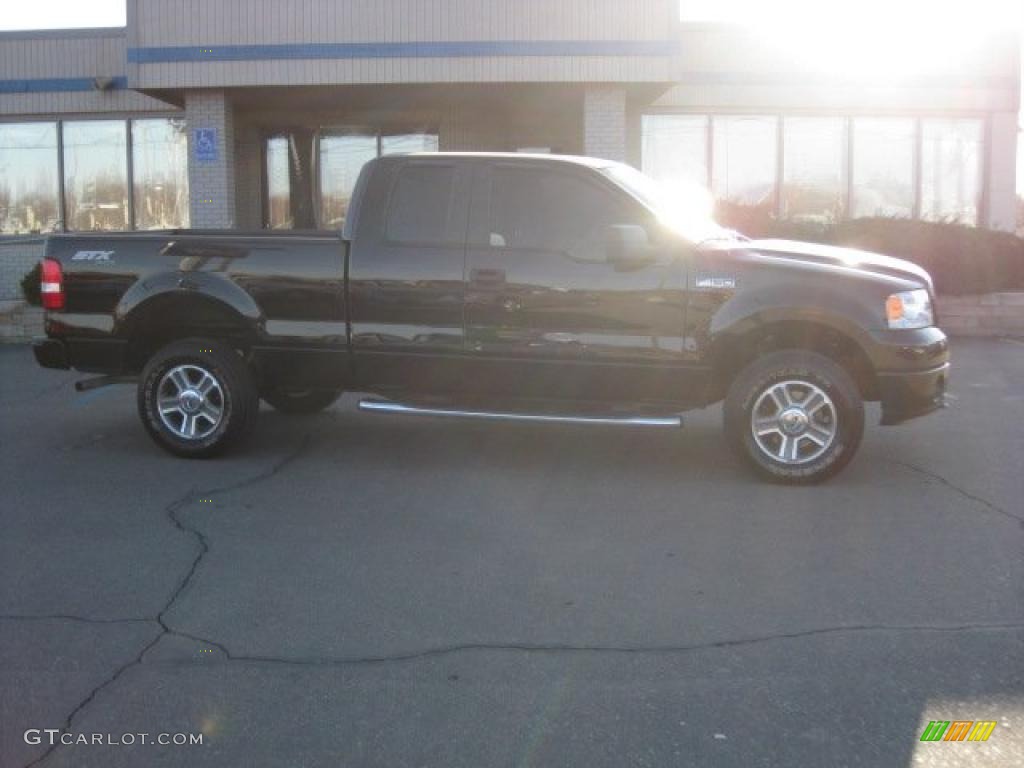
(745, 165)
(96, 175)
(342, 157)
(29, 187)
(814, 168)
(392, 144)
(160, 174)
(951, 170)
(883, 167)
(675, 148)
(279, 188)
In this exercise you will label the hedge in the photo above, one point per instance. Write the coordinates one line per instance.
(961, 259)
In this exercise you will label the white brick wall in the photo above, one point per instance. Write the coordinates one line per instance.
(16, 258)
(211, 184)
(993, 314)
(604, 122)
(20, 322)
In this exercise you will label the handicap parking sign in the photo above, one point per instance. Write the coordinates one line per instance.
(205, 145)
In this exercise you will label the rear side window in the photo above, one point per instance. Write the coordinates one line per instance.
(421, 205)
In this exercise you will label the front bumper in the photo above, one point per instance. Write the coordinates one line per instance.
(51, 353)
(912, 372)
(906, 396)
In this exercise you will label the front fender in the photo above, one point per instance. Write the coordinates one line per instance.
(849, 313)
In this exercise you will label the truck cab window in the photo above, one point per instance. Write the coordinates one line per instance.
(420, 206)
(534, 209)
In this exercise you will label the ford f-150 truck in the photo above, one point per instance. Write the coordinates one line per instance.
(529, 288)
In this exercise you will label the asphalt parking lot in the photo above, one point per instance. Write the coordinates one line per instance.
(369, 590)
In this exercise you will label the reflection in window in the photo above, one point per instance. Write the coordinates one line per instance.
(675, 148)
(342, 157)
(160, 174)
(408, 142)
(951, 170)
(279, 190)
(535, 209)
(28, 178)
(745, 150)
(421, 204)
(96, 175)
(883, 167)
(814, 182)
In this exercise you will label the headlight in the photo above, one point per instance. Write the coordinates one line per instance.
(909, 309)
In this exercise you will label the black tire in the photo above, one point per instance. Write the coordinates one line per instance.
(233, 395)
(794, 445)
(304, 401)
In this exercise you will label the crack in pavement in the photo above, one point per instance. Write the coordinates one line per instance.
(966, 494)
(171, 511)
(446, 650)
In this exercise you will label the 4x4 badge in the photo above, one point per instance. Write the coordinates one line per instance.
(715, 282)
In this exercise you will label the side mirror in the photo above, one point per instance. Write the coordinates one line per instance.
(628, 246)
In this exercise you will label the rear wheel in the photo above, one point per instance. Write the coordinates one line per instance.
(196, 398)
(796, 416)
(301, 401)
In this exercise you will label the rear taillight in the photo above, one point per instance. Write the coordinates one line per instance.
(52, 287)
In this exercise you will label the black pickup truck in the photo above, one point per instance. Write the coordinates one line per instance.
(529, 288)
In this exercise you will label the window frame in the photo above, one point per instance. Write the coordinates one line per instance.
(58, 133)
(60, 122)
(849, 148)
(378, 132)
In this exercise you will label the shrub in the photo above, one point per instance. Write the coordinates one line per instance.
(960, 259)
(31, 284)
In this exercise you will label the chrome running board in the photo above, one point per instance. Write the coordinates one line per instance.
(385, 406)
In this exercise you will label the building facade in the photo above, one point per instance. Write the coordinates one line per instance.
(259, 113)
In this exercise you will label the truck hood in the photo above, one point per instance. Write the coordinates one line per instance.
(850, 258)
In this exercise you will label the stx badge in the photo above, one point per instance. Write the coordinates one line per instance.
(93, 256)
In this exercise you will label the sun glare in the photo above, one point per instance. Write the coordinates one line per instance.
(868, 38)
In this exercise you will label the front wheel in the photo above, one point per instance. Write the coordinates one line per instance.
(196, 398)
(796, 416)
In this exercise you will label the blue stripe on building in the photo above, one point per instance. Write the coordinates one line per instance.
(58, 84)
(455, 49)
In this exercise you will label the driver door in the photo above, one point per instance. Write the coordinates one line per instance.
(547, 315)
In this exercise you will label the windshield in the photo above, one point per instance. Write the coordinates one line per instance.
(684, 208)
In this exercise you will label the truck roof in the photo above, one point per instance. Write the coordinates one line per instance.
(590, 162)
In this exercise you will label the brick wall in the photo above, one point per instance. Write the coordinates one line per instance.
(994, 314)
(604, 122)
(20, 322)
(211, 183)
(16, 258)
